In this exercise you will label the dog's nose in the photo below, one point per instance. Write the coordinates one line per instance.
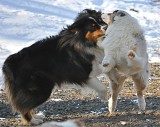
(105, 28)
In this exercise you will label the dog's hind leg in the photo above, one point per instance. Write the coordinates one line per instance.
(29, 118)
(26, 117)
(38, 91)
(135, 61)
(116, 83)
(141, 81)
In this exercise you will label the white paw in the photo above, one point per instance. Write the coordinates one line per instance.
(141, 103)
(39, 115)
(107, 66)
(108, 63)
(131, 54)
(111, 105)
(36, 121)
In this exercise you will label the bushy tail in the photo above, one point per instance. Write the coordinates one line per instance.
(24, 92)
(9, 83)
(13, 91)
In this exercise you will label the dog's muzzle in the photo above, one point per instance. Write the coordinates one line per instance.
(93, 36)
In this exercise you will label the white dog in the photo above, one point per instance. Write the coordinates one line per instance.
(125, 55)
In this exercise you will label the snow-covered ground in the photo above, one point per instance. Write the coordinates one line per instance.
(22, 22)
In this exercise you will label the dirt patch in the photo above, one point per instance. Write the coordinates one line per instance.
(70, 104)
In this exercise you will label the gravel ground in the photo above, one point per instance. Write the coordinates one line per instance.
(70, 104)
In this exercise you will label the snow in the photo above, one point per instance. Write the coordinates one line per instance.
(22, 22)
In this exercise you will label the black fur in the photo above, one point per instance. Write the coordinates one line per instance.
(93, 13)
(31, 74)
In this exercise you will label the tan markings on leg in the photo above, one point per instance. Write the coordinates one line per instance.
(140, 86)
(116, 83)
(115, 90)
(24, 121)
(26, 117)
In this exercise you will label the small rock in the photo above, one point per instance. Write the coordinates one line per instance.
(123, 122)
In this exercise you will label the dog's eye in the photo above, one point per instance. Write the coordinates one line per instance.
(93, 25)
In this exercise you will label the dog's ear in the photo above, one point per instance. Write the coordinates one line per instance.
(121, 14)
(75, 27)
(78, 24)
(89, 11)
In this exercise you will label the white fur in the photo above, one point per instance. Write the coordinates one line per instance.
(37, 118)
(68, 123)
(142, 103)
(94, 82)
(125, 55)
(39, 115)
(35, 121)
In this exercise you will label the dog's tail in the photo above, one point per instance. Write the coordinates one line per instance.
(14, 91)
(23, 88)
(14, 87)
(9, 81)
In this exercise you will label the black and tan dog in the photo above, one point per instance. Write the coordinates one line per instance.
(69, 57)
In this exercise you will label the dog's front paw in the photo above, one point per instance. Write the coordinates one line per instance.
(131, 54)
(107, 66)
(141, 103)
(108, 63)
(111, 105)
(35, 121)
(39, 115)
